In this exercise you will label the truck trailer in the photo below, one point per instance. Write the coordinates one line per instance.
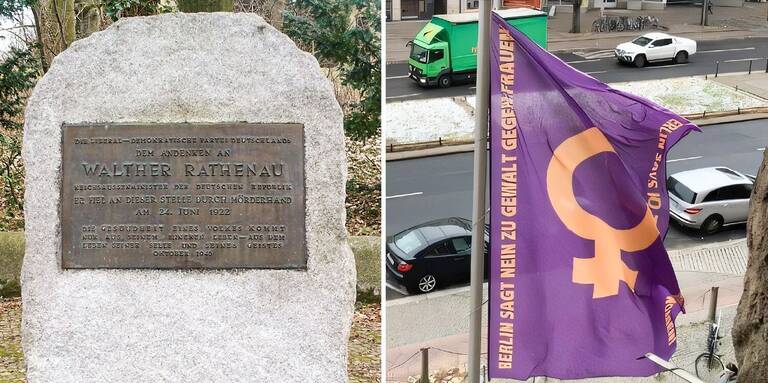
(445, 50)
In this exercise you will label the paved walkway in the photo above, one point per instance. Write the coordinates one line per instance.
(437, 321)
(755, 83)
(682, 20)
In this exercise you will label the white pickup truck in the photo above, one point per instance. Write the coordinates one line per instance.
(655, 46)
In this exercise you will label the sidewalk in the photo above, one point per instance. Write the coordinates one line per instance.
(756, 83)
(682, 20)
(444, 326)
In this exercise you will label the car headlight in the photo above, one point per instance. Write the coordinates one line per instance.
(423, 79)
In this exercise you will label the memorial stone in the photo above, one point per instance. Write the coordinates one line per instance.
(185, 209)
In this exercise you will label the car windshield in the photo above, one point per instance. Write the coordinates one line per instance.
(680, 191)
(418, 53)
(641, 41)
(409, 241)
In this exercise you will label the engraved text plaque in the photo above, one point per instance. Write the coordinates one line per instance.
(181, 196)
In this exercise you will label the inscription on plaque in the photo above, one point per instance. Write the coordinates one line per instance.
(180, 196)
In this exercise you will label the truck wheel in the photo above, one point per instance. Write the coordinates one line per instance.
(445, 81)
(639, 61)
(681, 57)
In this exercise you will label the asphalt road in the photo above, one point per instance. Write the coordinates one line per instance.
(419, 190)
(603, 66)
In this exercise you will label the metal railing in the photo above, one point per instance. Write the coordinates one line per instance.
(749, 62)
(440, 142)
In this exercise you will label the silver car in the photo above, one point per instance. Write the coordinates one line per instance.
(709, 198)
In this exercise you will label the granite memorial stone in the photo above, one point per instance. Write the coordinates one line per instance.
(185, 209)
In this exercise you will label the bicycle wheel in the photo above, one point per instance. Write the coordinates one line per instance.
(709, 367)
(596, 26)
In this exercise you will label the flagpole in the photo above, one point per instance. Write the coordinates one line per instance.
(479, 190)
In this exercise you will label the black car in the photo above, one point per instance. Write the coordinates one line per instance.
(431, 254)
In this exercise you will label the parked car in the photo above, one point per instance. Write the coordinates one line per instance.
(431, 254)
(709, 198)
(655, 46)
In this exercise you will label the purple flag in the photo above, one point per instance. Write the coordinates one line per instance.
(580, 282)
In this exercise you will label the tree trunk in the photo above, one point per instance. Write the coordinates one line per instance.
(750, 328)
(192, 6)
(576, 22)
(39, 35)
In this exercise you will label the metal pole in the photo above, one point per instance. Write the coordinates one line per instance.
(717, 68)
(706, 14)
(667, 366)
(713, 304)
(479, 189)
(496, 4)
(750, 66)
(703, 11)
(425, 365)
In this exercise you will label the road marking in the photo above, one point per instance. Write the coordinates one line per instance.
(601, 54)
(684, 159)
(405, 95)
(727, 50)
(760, 149)
(582, 61)
(404, 195)
(397, 289)
(596, 72)
(472, 87)
(747, 59)
(393, 77)
(665, 66)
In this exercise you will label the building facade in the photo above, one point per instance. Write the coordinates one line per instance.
(398, 10)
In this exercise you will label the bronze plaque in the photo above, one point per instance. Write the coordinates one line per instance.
(183, 196)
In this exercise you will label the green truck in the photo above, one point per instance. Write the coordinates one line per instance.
(445, 50)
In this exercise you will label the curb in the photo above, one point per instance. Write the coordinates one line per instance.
(630, 34)
(469, 146)
(729, 257)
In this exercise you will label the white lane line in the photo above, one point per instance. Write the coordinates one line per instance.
(404, 195)
(596, 72)
(582, 61)
(393, 77)
(684, 159)
(747, 59)
(728, 50)
(405, 95)
(398, 289)
(665, 66)
(760, 149)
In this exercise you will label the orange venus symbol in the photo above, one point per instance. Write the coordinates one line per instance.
(606, 269)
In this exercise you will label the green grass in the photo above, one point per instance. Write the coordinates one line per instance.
(367, 251)
(11, 254)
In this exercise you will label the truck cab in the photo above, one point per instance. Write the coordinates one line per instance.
(430, 57)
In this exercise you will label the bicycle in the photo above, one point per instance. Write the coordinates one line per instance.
(625, 23)
(709, 366)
